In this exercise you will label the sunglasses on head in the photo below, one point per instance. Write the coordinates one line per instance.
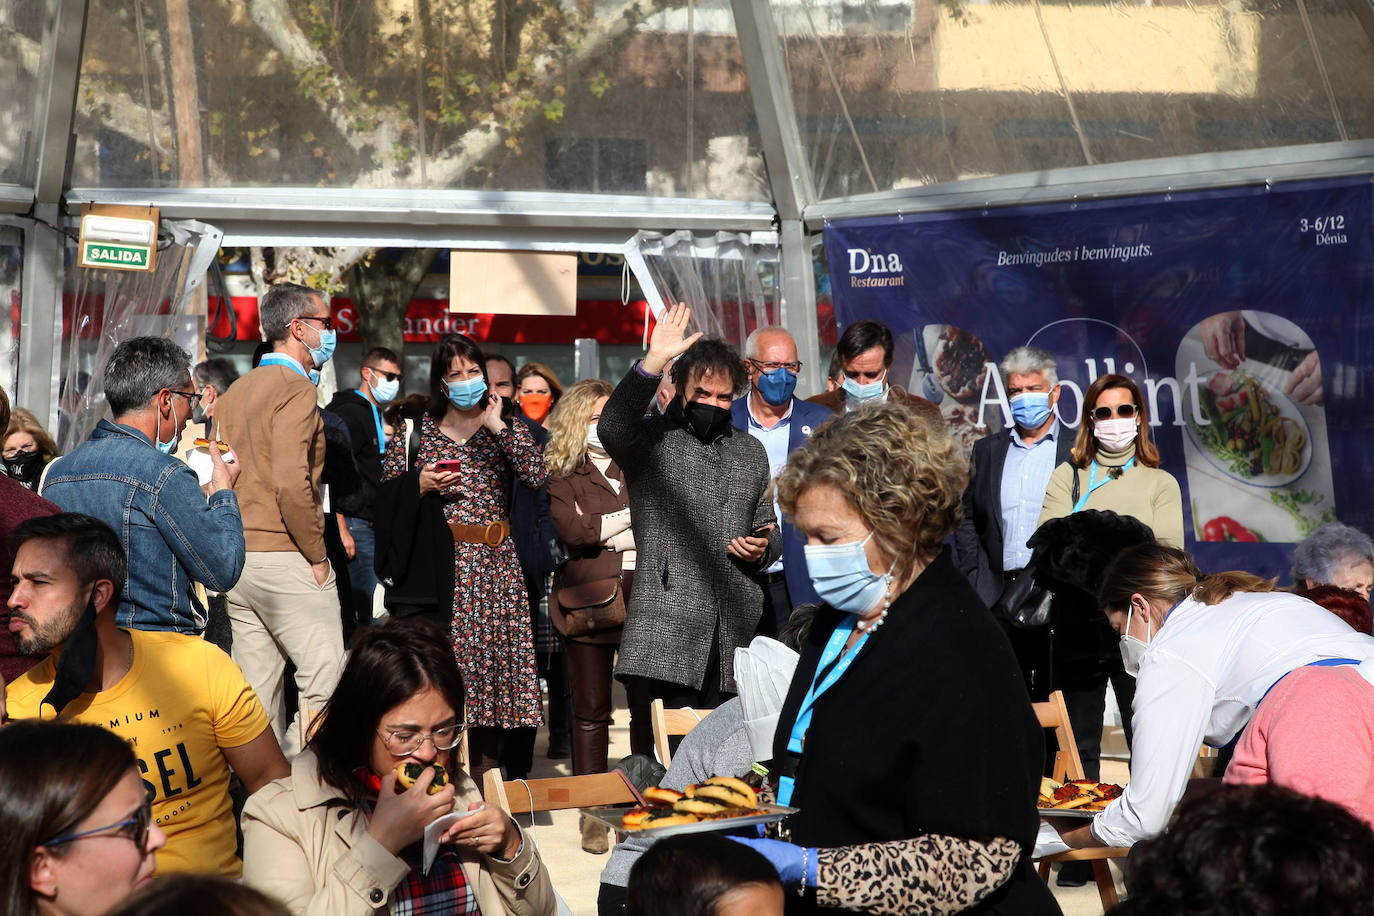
(1124, 411)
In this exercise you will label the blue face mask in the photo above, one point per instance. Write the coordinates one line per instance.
(314, 376)
(776, 387)
(322, 354)
(466, 393)
(842, 577)
(1030, 409)
(867, 392)
(385, 391)
(170, 446)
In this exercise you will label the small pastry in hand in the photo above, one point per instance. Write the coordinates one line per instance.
(205, 444)
(409, 771)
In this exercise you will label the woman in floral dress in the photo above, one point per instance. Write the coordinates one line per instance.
(491, 619)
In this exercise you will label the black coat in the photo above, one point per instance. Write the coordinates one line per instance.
(930, 731)
(414, 558)
(356, 413)
(979, 538)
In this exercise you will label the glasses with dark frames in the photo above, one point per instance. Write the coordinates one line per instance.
(389, 376)
(326, 322)
(793, 367)
(135, 828)
(192, 396)
(1124, 411)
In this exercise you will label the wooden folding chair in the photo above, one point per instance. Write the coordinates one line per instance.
(670, 722)
(526, 796)
(1067, 765)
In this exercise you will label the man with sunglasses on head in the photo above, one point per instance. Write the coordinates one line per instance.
(285, 604)
(773, 414)
(125, 475)
(361, 411)
(178, 700)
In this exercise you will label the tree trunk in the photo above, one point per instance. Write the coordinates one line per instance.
(381, 290)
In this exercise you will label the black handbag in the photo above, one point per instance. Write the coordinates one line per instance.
(1023, 604)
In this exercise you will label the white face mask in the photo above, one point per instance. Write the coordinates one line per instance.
(1133, 647)
(1116, 434)
(594, 440)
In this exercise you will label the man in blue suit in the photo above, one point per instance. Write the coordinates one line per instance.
(782, 422)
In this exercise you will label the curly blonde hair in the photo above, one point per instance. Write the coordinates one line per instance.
(903, 474)
(568, 421)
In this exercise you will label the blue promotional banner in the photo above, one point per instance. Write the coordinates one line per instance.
(1244, 315)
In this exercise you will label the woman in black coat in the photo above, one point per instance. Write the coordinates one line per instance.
(907, 739)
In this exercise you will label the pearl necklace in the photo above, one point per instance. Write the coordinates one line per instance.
(881, 618)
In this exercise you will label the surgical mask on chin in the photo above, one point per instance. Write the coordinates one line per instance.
(861, 393)
(170, 446)
(385, 392)
(322, 354)
(842, 577)
(1116, 434)
(466, 393)
(1133, 649)
(1030, 409)
(314, 376)
(776, 386)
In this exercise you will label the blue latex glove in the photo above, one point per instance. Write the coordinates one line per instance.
(788, 858)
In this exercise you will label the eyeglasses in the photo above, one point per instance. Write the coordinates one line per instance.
(401, 743)
(326, 322)
(192, 396)
(135, 828)
(1124, 411)
(389, 376)
(15, 451)
(793, 367)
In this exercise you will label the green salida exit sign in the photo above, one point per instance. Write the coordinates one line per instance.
(120, 257)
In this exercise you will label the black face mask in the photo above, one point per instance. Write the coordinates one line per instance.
(23, 466)
(705, 421)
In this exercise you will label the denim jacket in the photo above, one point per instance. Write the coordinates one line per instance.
(172, 536)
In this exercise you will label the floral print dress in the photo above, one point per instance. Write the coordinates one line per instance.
(491, 609)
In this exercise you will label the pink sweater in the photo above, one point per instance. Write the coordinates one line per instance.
(1314, 733)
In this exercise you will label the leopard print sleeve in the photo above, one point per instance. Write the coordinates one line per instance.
(928, 874)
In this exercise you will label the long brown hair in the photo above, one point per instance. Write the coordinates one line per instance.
(1166, 575)
(1085, 446)
(52, 776)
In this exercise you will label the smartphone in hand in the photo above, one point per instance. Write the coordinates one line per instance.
(761, 531)
(448, 466)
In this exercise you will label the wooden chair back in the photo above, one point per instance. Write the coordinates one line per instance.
(671, 722)
(1053, 713)
(526, 796)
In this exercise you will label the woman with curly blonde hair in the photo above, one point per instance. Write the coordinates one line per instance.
(590, 508)
(907, 740)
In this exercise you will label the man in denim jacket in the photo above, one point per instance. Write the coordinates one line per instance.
(125, 475)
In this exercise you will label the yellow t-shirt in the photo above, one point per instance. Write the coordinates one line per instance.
(181, 702)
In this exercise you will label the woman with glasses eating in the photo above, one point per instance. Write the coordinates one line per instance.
(76, 825)
(343, 834)
(1114, 465)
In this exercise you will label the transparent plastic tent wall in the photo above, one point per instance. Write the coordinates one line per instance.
(515, 123)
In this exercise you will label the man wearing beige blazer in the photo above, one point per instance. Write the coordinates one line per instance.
(285, 604)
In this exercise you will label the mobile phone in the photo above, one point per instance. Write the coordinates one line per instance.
(448, 466)
(761, 531)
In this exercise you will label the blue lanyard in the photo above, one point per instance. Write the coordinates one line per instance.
(828, 672)
(281, 359)
(376, 418)
(1094, 483)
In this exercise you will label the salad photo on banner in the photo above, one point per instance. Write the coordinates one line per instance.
(1243, 314)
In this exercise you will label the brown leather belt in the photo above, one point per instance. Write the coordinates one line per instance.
(492, 535)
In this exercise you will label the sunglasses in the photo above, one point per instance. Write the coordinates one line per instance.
(389, 376)
(1124, 411)
(327, 323)
(135, 828)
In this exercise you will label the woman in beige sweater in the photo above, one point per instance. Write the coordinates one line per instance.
(1116, 464)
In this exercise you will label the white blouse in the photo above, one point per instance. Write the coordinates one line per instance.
(1201, 678)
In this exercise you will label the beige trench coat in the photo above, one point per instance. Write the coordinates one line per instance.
(304, 845)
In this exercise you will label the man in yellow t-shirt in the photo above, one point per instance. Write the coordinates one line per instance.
(181, 702)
